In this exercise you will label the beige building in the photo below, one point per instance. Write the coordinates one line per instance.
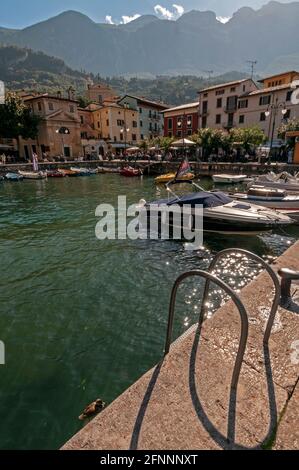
(100, 93)
(269, 106)
(218, 105)
(59, 132)
(117, 125)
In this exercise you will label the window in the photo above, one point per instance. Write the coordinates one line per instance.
(141, 123)
(134, 123)
(82, 119)
(189, 121)
(114, 138)
(218, 118)
(120, 122)
(219, 102)
(263, 116)
(51, 106)
(150, 126)
(243, 104)
(220, 92)
(140, 110)
(170, 123)
(134, 137)
(244, 88)
(39, 106)
(204, 122)
(72, 109)
(289, 95)
(205, 107)
(121, 136)
(265, 100)
(241, 119)
(141, 136)
(179, 133)
(189, 132)
(107, 122)
(169, 134)
(205, 95)
(150, 113)
(99, 124)
(233, 89)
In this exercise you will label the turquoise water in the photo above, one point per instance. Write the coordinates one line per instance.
(80, 318)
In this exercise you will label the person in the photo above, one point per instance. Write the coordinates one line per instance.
(290, 156)
(3, 158)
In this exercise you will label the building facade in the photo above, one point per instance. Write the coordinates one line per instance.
(181, 121)
(269, 106)
(151, 120)
(218, 105)
(100, 93)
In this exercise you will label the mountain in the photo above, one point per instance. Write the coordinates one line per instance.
(196, 42)
(25, 69)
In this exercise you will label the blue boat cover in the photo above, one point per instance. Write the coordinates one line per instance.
(203, 198)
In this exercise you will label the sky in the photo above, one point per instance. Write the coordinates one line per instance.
(22, 13)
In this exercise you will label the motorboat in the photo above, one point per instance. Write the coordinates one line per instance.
(13, 177)
(55, 174)
(281, 181)
(229, 179)
(171, 176)
(33, 175)
(69, 173)
(269, 197)
(102, 169)
(129, 172)
(221, 213)
(81, 171)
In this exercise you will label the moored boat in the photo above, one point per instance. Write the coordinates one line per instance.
(69, 173)
(55, 174)
(283, 181)
(221, 213)
(32, 175)
(270, 197)
(102, 169)
(171, 176)
(81, 171)
(229, 179)
(13, 177)
(129, 172)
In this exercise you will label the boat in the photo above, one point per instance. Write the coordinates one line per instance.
(229, 179)
(221, 213)
(13, 177)
(102, 169)
(171, 176)
(81, 171)
(32, 175)
(55, 174)
(281, 181)
(129, 172)
(69, 173)
(270, 197)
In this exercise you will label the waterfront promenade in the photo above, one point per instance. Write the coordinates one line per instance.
(185, 401)
(157, 168)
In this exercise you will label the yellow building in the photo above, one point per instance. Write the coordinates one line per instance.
(117, 125)
(284, 78)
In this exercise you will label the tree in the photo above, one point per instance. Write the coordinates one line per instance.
(17, 120)
(248, 137)
(291, 125)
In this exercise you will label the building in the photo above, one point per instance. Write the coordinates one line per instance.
(181, 121)
(151, 120)
(117, 125)
(100, 93)
(93, 146)
(269, 106)
(57, 113)
(218, 104)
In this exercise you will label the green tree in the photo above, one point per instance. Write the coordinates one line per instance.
(248, 137)
(17, 120)
(291, 125)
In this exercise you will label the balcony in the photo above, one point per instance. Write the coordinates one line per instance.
(230, 109)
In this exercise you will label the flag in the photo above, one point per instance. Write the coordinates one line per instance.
(184, 169)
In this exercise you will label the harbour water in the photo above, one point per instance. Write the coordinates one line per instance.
(81, 318)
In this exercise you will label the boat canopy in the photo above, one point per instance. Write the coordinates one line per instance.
(203, 198)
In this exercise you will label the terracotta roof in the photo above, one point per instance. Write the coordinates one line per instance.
(264, 91)
(46, 95)
(146, 101)
(291, 72)
(225, 85)
(183, 106)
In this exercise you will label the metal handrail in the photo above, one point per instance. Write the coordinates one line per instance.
(243, 315)
(272, 274)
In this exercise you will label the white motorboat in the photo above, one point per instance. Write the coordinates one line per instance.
(281, 181)
(277, 199)
(33, 175)
(81, 171)
(229, 179)
(221, 213)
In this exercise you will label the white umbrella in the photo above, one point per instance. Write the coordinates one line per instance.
(183, 143)
(133, 149)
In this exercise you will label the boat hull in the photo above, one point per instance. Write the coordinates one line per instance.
(229, 179)
(171, 176)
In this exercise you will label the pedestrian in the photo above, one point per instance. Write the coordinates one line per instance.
(290, 156)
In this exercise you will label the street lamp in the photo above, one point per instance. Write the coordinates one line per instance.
(63, 131)
(274, 108)
(125, 131)
(183, 124)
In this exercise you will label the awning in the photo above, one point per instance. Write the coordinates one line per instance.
(183, 143)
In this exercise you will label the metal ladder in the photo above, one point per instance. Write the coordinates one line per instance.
(209, 277)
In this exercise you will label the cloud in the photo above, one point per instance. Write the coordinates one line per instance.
(109, 20)
(223, 19)
(167, 14)
(128, 19)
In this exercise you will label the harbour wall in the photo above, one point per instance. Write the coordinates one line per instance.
(186, 402)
